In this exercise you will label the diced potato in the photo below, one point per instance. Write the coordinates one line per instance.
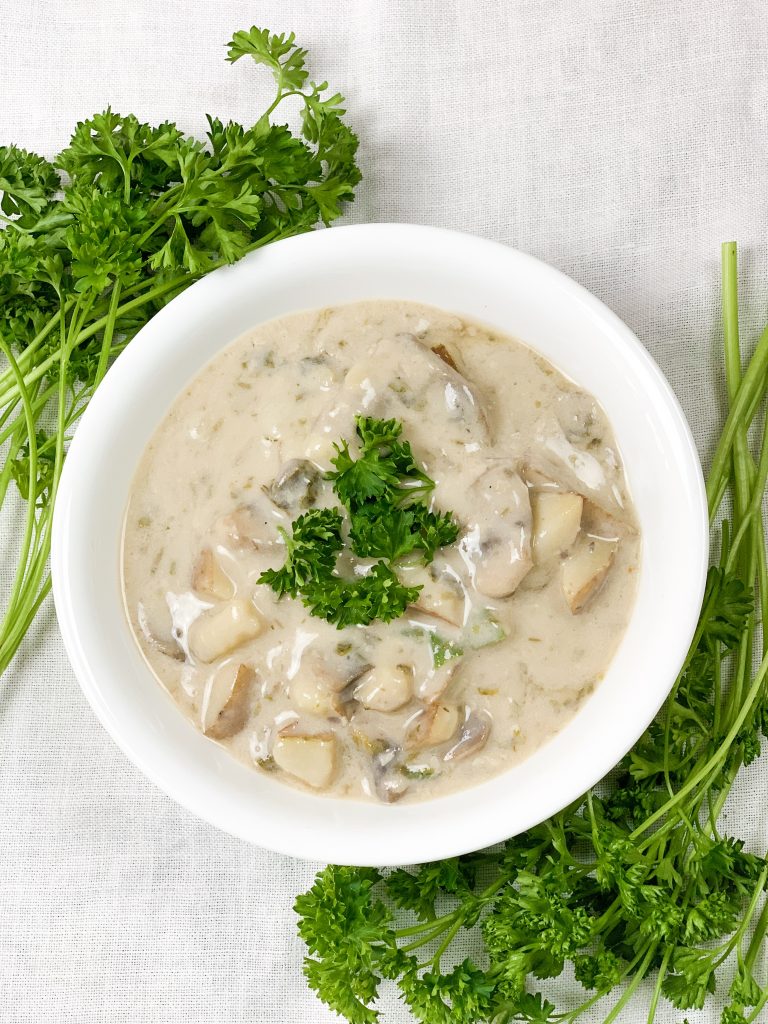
(441, 598)
(310, 691)
(585, 570)
(598, 523)
(226, 701)
(309, 758)
(385, 688)
(556, 522)
(436, 724)
(209, 580)
(252, 525)
(219, 631)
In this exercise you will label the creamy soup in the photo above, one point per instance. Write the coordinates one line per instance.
(516, 621)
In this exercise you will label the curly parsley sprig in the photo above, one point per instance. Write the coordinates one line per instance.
(380, 489)
(635, 883)
(87, 259)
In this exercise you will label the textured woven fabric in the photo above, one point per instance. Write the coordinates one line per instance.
(621, 140)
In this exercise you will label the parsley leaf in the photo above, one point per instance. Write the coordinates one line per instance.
(311, 552)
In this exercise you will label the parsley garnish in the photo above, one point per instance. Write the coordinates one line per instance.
(380, 490)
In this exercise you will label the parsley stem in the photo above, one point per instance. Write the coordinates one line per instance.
(761, 927)
(31, 428)
(659, 982)
(749, 394)
(714, 761)
(733, 369)
(636, 979)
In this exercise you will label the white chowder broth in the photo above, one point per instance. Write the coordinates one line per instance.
(517, 620)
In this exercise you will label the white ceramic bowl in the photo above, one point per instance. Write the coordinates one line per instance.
(468, 275)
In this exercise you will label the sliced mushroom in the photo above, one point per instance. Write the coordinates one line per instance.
(388, 781)
(575, 468)
(441, 594)
(434, 685)
(295, 487)
(225, 702)
(585, 570)
(498, 538)
(556, 522)
(209, 579)
(473, 734)
(219, 631)
(311, 758)
(385, 687)
(434, 725)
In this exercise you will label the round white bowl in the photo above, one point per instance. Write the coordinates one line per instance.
(470, 276)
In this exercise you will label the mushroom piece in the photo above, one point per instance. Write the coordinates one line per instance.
(575, 468)
(311, 758)
(209, 580)
(295, 487)
(388, 781)
(556, 522)
(585, 570)
(434, 685)
(385, 687)
(225, 701)
(434, 725)
(219, 631)
(498, 538)
(474, 731)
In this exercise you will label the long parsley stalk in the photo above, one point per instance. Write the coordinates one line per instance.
(86, 260)
(635, 882)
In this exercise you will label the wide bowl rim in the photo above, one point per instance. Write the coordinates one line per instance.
(353, 835)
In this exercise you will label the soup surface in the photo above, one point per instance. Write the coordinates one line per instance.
(515, 623)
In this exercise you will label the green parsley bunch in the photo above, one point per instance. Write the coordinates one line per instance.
(635, 881)
(381, 491)
(140, 213)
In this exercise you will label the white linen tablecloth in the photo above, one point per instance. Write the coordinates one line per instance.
(621, 141)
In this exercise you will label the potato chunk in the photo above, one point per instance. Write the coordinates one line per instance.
(585, 569)
(385, 687)
(310, 691)
(434, 725)
(209, 580)
(556, 522)
(219, 631)
(253, 525)
(226, 701)
(441, 597)
(309, 758)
